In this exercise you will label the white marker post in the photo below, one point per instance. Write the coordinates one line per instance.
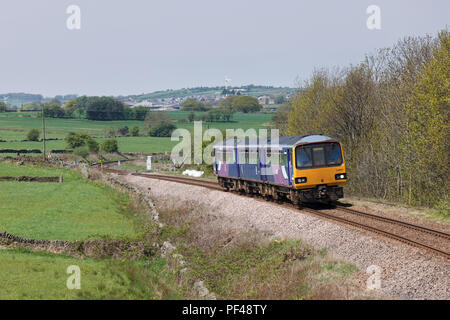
(149, 163)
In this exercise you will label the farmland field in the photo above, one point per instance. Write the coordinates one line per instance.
(14, 128)
(72, 210)
(34, 275)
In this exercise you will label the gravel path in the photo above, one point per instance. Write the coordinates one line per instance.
(407, 272)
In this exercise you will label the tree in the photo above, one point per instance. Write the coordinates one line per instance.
(391, 114)
(110, 146)
(429, 128)
(308, 112)
(33, 135)
(81, 151)
(2, 106)
(104, 109)
(191, 116)
(92, 145)
(31, 106)
(135, 131)
(246, 104)
(155, 119)
(55, 102)
(281, 118)
(70, 107)
(75, 140)
(162, 130)
(194, 105)
(53, 111)
(124, 131)
(140, 113)
(227, 114)
(227, 103)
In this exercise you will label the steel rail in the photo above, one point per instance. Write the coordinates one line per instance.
(214, 186)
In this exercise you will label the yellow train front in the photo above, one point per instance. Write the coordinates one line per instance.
(301, 169)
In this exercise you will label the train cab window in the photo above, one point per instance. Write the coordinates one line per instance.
(303, 157)
(318, 155)
(333, 153)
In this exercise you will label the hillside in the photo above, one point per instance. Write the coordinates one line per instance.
(251, 90)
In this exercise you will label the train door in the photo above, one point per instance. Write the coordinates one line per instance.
(285, 166)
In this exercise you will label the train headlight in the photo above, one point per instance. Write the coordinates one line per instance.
(300, 180)
(341, 176)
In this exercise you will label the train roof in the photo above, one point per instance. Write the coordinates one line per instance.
(283, 142)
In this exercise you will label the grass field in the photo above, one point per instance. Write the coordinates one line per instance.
(72, 210)
(32, 275)
(14, 126)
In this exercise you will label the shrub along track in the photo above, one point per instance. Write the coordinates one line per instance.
(431, 240)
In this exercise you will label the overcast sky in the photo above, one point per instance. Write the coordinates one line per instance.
(136, 46)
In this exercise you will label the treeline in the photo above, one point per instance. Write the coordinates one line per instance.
(391, 112)
(91, 108)
(227, 106)
(104, 109)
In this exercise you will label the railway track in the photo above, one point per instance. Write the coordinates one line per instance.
(432, 240)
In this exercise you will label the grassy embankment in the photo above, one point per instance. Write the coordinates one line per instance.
(242, 264)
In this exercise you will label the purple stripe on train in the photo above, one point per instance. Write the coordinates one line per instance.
(222, 169)
(280, 175)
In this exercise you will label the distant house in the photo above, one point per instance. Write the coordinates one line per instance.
(144, 103)
(266, 100)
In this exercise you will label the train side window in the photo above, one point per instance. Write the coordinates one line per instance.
(242, 156)
(253, 156)
(273, 157)
(229, 156)
(283, 159)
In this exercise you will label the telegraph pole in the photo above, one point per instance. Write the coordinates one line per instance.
(43, 129)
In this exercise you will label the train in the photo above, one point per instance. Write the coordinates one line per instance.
(301, 169)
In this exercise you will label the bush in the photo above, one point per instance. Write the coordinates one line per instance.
(33, 135)
(162, 130)
(135, 131)
(75, 140)
(123, 130)
(110, 146)
(81, 151)
(92, 145)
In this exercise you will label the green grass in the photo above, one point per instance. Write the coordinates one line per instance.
(31, 275)
(73, 210)
(14, 126)
(126, 144)
(243, 265)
